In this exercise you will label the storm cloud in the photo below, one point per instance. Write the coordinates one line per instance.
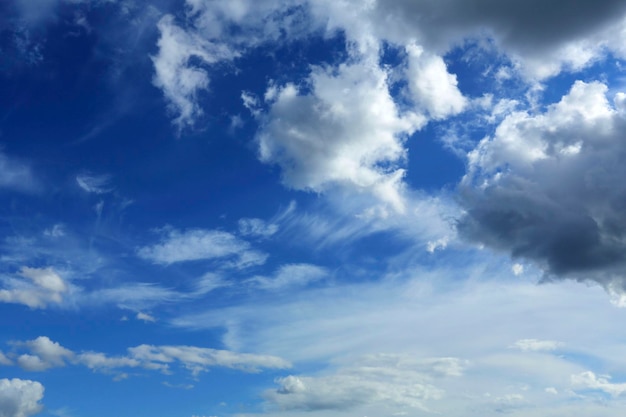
(549, 187)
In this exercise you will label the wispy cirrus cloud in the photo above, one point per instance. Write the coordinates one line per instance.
(97, 184)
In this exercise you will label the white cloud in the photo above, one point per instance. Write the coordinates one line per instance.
(199, 244)
(535, 345)
(20, 397)
(45, 354)
(433, 89)
(145, 317)
(39, 288)
(589, 380)
(290, 275)
(179, 80)
(355, 387)
(257, 227)
(198, 359)
(97, 184)
(347, 131)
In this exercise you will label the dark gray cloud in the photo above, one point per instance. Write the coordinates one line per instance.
(550, 188)
(525, 24)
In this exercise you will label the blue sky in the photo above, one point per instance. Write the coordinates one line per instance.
(321, 208)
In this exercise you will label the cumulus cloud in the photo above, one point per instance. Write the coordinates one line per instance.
(200, 244)
(346, 131)
(433, 89)
(20, 397)
(45, 354)
(548, 187)
(37, 288)
(290, 275)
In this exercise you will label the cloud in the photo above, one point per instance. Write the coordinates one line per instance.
(534, 345)
(38, 288)
(256, 227)
(198, 359)
(290, 275)
(4, 361)
(589, 381)
(135, 296)
(97, 184)
(547, 187)
(145, 317)
(179, 80)
(45, 354)
(389, 380)
(200, 244)
(20, 397)
(16, 175)
(347, 131)
(433, 89)
(537, 36)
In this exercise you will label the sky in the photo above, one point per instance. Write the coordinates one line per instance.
(320, 208)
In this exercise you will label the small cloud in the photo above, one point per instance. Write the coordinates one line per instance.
(97, 184)
(145, 317)
(291, 275)
(518, 269)
(58, 230)
(534, 345)
(256, 227)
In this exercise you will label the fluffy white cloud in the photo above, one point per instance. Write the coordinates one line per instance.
(590, 381)
(199, 244)
(45, 354)
(346, 131)
(433, 89)
(38, 288)
(20, 397)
